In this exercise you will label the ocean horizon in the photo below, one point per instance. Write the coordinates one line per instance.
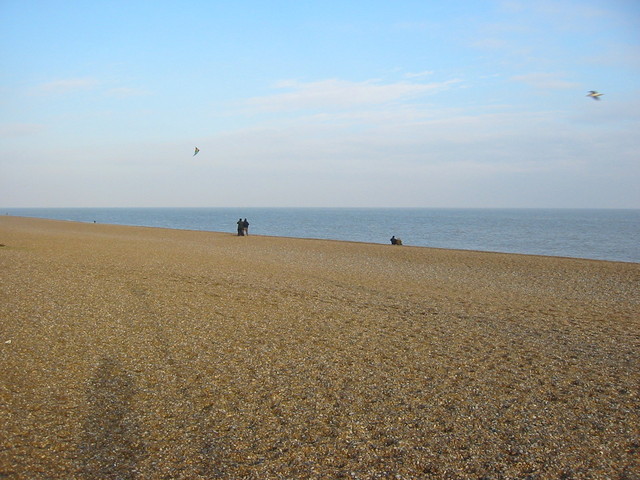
(599, 234)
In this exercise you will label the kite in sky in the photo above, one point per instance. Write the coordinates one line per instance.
(196, 151)
(595, 95)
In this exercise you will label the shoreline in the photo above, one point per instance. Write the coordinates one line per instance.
(144, 352)
(493, 252)
(594, 234)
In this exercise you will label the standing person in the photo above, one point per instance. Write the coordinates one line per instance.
(240, 227)
(245, 227)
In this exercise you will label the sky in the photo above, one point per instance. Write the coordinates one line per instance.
(300, 103)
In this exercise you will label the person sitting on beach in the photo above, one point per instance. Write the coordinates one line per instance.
(395, 241)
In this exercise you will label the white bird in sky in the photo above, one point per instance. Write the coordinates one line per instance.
(595, 95)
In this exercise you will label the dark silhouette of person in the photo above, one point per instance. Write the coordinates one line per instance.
(240, 227)
(395, 241)
(245, 227)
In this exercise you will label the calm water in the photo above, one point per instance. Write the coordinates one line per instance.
(596, 234)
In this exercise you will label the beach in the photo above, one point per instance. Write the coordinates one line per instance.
(146, 353)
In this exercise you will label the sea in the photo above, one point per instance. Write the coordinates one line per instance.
(602, 234)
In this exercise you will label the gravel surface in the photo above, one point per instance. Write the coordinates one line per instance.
(139, 353)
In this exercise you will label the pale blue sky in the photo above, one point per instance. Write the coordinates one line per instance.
(320, 103)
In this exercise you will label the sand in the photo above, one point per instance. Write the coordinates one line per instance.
(139, 353)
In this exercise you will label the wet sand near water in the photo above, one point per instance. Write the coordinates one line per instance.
(141, 353)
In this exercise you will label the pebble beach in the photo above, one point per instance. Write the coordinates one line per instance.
(146, 353)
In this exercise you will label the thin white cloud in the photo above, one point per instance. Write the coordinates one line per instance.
(552, 9)
(567, 12)
(68, 85)
(545, 81)
(340, 94)
(426, 73)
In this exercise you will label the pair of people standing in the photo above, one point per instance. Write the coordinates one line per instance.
(243, 227)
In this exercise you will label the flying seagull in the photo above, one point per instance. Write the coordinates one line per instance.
(595, 95)
(196, 151)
